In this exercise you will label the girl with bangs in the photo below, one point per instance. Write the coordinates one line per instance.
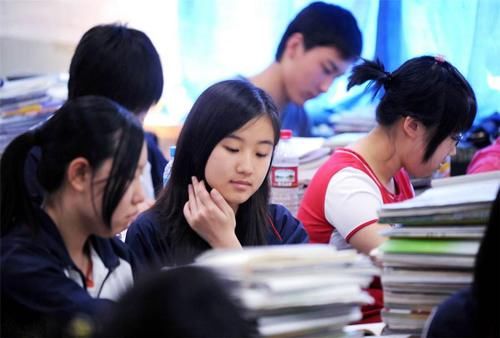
(61, 259)
(218, 192)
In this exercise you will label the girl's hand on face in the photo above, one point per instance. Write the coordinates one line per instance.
(210, 216)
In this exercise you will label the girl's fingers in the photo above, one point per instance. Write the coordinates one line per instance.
(187, 212)
(203, 198)
(221, 202)
(192, 198)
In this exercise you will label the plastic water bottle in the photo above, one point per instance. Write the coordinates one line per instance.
(284, 174)
(168, 167)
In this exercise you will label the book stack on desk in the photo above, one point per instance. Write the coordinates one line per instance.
(431, 250)
(27, 102)
(297, 290)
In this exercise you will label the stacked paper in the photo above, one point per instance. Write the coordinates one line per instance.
(431, 250)
(27, 102)
(297, 290)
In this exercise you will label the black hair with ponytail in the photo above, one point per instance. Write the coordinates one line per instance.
(92, 127)
(427, 88)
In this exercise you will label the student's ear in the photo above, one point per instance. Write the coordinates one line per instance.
(294, 45)
(79, 173)
(412, 127)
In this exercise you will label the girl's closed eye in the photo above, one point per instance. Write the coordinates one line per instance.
(262, 154)
(327, 70)
(231, 149)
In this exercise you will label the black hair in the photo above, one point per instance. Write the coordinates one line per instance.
(426, 88)
(220, 110)
(323, 24)
(92, 127)
(181, 302)
(117, 62)
(487, 278)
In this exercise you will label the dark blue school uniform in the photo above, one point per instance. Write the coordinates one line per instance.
(455, 317)
(41, 287)
(146, 240)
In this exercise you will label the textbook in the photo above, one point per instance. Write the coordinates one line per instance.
(431, 250)
(300, 290)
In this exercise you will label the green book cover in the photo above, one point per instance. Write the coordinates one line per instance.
(430, 246)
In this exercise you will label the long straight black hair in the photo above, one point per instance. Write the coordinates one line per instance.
(426, 88)
(220, 110)
(92, 127)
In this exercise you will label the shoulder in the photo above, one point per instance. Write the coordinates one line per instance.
(285, 228)
(351, 183)
(454, 317)
(146, 222)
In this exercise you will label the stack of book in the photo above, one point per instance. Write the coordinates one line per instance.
(297, 290)
(432, 247)
(27, 102)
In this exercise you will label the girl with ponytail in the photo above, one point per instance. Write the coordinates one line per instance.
(425, 107)
(61, 258)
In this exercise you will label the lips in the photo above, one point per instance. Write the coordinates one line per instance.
(241, 184)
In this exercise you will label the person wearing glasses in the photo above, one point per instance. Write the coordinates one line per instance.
(425, 106)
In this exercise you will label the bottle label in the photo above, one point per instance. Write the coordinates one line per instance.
(284, 177)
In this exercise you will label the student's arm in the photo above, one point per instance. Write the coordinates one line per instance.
(368, 238)
(351, 204)
(210, 216)
(285, 229)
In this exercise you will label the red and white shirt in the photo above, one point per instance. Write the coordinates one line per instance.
(344, 196)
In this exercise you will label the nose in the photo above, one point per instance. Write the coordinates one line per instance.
(453, 151)
(326, 83)
(139, 196)
(245, 164)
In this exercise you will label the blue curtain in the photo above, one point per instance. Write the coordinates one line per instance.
(222, 38)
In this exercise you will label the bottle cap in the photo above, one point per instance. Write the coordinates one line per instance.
(285, 134)
(171, 151)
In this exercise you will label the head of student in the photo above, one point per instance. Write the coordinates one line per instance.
(227, 141)
(92, 154)
(427, 102)
(120, 63)
(189, 301)
(318, 46)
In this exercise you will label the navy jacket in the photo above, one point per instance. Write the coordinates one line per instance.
(455, 317)
(144, 236)
(155, 158)
(37, 293)
(157, 161)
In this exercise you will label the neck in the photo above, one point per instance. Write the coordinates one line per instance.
(379, 148)
(69, 225)
(271, 81)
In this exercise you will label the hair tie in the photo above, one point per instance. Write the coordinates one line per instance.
(387, 79)
(440, 58)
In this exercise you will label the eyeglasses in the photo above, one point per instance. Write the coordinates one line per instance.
(457, 138)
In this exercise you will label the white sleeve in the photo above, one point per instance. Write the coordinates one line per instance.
(352, 201)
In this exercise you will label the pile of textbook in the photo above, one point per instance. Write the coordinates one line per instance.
(27, 102)
(297, 290)
(432, 247)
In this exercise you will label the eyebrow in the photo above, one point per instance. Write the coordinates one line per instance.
(232, 136)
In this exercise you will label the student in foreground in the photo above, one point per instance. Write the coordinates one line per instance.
(425, 107)
(61, 258)
(218, 192)
(180, 302)
(318, 46)
(473, 311)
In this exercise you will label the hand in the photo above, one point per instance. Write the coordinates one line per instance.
(210, 216)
